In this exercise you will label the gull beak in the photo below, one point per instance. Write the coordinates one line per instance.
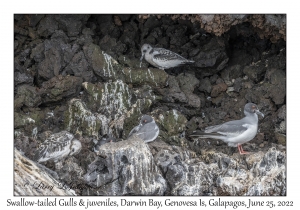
(258, 112)
(142, 57)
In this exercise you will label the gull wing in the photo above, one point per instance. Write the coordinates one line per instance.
(232, 128)
(163, 54)
(148, 132)
(134, 130)
(54, 147)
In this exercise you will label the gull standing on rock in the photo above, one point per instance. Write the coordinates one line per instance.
(162, 58)
(147, 130)
(235, 132)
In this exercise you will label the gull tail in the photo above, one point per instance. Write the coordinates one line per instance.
(200, 134)
(189, 62)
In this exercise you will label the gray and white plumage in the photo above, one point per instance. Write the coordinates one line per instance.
(162, 58)
(235, 132)
(147, 130)
(57, 147)
(105, 139)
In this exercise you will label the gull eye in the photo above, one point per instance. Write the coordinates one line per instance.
(145, 120)
(73, 149)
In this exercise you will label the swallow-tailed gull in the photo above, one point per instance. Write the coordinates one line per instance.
(162, 58)
(147, 130)
(235, 132)
(57, 147)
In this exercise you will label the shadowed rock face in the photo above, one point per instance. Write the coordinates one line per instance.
(82, 74)
(127, 169)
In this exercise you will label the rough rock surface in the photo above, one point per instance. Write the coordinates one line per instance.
(82, 73)
(125, 168)
(31, 179)
(270, 26)
(58, 88)
(215, 173)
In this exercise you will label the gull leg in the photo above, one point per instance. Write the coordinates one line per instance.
(239, 148)
(242, 152)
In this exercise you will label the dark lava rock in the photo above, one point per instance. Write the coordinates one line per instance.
(27, 95)
(79, 67)
(130, 34)
(279, 118)
(37, 53)
(239, 84)
(181, 89)
(21, 78)
(152, 23)
(111, 46)
(47, 26)
(231, 72)
(255, 73)
(205, 85)
(86, 37)
(281, 113)
(59, 88)
(35, 19)
(124, 17)
(277, 79)
(58, 53)
(71, 24)
(177, 35)
(187, 83)
(217, 89)
(102, 64)
(212, 55)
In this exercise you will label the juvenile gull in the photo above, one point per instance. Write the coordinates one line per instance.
(105, 139)
(57, 147)
(146, 130)
(162, 58)
(235, 132)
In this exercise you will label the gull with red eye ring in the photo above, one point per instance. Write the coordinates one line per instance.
(235, 132)
(147, 130)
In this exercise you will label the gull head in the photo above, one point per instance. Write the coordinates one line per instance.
(75, 147)
(252, 108)
(144, 49)
(146, 119)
